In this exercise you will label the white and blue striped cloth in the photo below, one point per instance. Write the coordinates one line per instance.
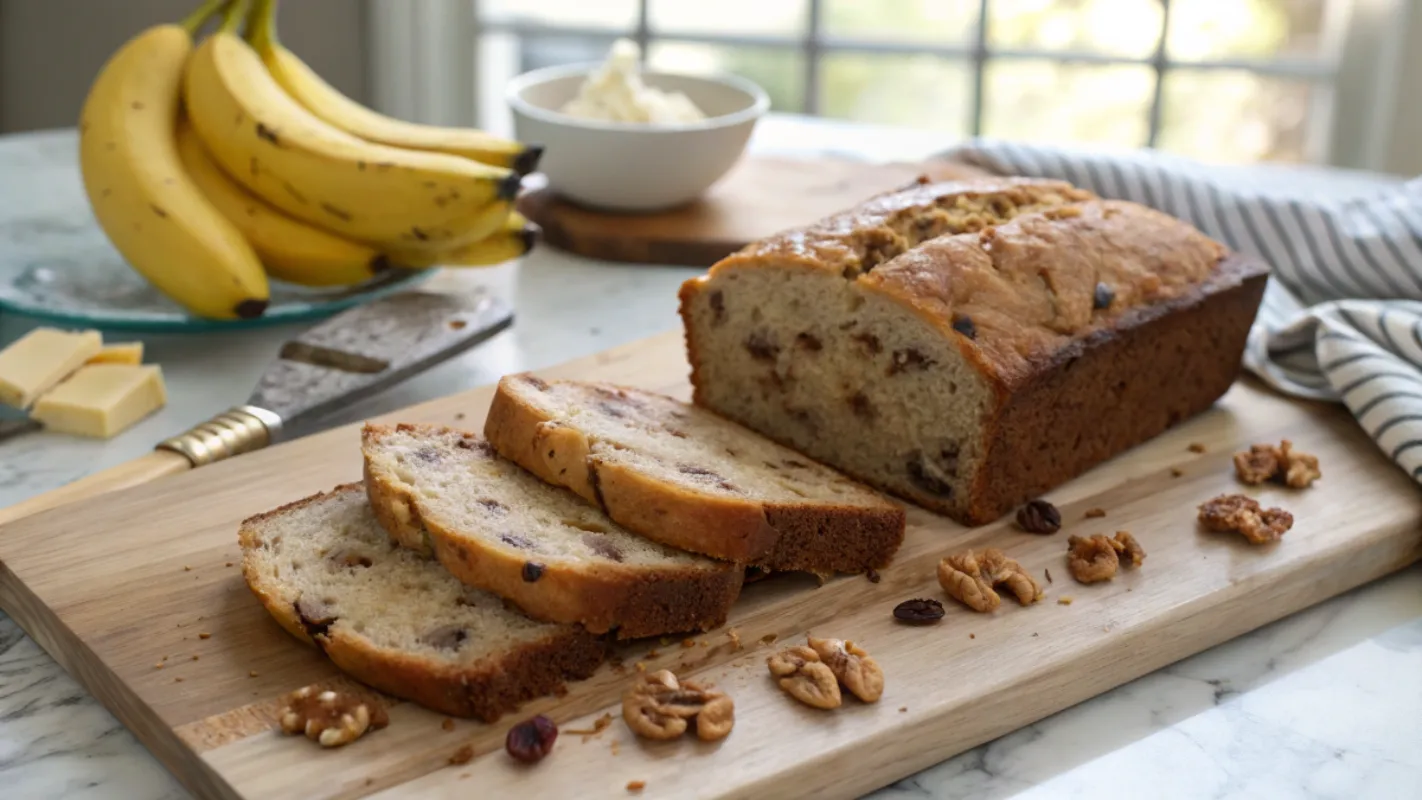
(1342, 318)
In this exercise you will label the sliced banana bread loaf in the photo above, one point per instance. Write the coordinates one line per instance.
(497, 527)
(688, 478)
(326, 571)
(971, 372)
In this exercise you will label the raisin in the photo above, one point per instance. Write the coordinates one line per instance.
(920, 611)
(479, 445)
(700, 472)
(762, 346)
(429, 455)
(536, 382)
(810, 342)
(514, 540)
(1039, 516)
(962, 323)
(315, 616)
(718, 307)
(793, 464)
(494, 507)
(532, 571)
(531, 740)
(600, 545)
(871, 343)
(928, 483)
(1102, 297)
(446, 637)
(861, 406)
(910, 359)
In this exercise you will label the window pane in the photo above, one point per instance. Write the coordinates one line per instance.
(1205, 29)
(919, 91)
(613, 14)
(764, 17)
(1045, 101)
(1115, 27)
(780, 72)
(937, 21)
(1229, 116)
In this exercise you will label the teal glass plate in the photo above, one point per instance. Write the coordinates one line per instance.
(65, 271)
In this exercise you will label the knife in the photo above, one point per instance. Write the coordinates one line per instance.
(351, 356)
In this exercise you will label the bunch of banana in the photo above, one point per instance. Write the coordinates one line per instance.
(212, 168)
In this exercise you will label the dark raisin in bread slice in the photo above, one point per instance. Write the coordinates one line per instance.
(327, 572)
(685, 477)
(499, 528)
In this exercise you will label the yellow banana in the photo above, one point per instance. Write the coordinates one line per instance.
(144, 200)
(326, 102)
(325, 176)
(289, 249)
(515, 238)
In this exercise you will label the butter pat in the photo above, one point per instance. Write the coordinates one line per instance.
(40, 359)
(123, 353)
(102, 400)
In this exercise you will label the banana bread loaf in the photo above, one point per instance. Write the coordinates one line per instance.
(1044, 333)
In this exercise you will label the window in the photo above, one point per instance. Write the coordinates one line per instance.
(1223, 80)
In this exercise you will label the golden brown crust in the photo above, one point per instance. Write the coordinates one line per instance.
(484, 690)
(633, 601)
(813, 537)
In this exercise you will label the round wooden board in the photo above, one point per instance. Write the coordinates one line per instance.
(761, 196)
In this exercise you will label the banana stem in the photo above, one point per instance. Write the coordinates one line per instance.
(194, 21)
(233, 16)
(261, 25)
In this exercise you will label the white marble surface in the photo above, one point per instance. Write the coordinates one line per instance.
(1324, 704)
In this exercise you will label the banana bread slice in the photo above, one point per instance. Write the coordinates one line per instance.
(971, 372)
(685, 477)
(326, 571)
(496, 527)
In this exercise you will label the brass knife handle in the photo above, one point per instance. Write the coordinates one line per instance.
(233, 432)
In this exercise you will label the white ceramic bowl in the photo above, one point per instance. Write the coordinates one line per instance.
(635, 167)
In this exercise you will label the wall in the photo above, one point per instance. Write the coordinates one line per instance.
(50, 50)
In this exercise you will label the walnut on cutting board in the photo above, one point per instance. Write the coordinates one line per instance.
(972, 578)
(659, 706)
(329, 717)
(800, 672)
(1095, 558)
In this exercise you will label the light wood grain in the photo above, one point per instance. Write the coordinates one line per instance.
(759, 197)
(144, 469)
(111, 586)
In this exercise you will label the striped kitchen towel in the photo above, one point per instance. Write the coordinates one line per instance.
(1342, 318)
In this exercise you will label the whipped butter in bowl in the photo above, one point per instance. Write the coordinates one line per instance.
(623, 138)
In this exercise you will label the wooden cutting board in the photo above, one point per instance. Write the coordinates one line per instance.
(759, 197)
(116, 586)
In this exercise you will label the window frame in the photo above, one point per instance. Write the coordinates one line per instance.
(423, 65)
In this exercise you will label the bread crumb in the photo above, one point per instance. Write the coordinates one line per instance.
(1063, 601)
(641, 667)
(465, 775)
(1176, 472)
(448, 724)
(463, 755)
(459, 415)
(196, 656)
(1048, 573)
(158, 665)
(230, 564)
(665, 640)
(705, 643)
(615, 747)
(769, 638)
(972, 636)
(653, 653)
(636, 786)
(688, 643)
(903, 709)
(204, 635)
(1196, 447)
(872, 574)
(1094, 513)
(252, 674)
(187, 568)
(735, 637)
(178, 679)
(599, 725)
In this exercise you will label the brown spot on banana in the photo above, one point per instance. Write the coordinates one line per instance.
(136, 105)
(338, 213)
(158, 210)
(255, 168)
(419, 234)
(360, 165)
(267, 134)
(291, 190)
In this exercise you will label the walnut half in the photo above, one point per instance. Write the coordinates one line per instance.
(329, 717)
(1095, 558)
(803, 676)
(971, 578)
(852, 667)
(1235, 512)
(1283, 464)
(658, 706)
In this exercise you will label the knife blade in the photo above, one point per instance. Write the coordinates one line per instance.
(347, 358)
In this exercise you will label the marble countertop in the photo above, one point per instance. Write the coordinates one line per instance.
(1326, 703)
